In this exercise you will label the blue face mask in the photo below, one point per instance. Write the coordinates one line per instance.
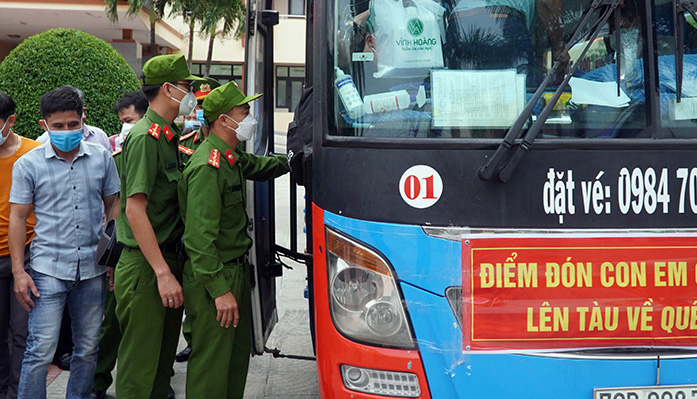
(193, 125)
(199, 116)
(66, 140)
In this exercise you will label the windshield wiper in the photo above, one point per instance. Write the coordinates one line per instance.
(680, 7)
(501, 163)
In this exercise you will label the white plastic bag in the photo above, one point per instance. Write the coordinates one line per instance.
(408, 37)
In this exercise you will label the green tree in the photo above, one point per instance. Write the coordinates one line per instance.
(222, 18)
(192, 11)
(156, 10)
(58, 57)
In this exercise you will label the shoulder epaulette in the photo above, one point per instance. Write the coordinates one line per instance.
(115, 153)
(230, 157)
(168, 133)
(214, 159)
(186, 136)
(154, 130)
(185, 150)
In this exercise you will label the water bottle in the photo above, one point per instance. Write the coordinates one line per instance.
(348, 94)
(385, 102)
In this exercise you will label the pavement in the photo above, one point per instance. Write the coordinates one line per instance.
(268, 377)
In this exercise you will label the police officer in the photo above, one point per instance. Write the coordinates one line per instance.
(216, 276)
(188, 143)
(147, 282)
(190, 140)
(130, 108)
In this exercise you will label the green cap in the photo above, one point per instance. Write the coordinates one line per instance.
(224, 98)
(167, 68)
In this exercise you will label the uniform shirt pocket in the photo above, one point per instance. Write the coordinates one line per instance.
(173, 175)
(232, 198)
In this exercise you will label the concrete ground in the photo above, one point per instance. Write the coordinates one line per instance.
(268, 377)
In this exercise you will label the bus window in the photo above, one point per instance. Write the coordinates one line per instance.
(680, 118)
(467, 68)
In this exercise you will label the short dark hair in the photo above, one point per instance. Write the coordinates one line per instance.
(7, 106)
(135, 98)
(64, 98)
(150, 91)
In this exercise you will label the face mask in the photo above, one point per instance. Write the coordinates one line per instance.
(3, 138)
(125, 128)
(66, 140)
(186, 104)
(199, 116)
(193, 125)
(246, 128)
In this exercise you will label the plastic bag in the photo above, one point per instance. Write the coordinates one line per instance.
(408, 37)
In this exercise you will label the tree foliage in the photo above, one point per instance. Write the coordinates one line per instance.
(222, 18)
(192, 11)
(57, 57)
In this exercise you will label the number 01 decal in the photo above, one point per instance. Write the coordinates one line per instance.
(421, 186)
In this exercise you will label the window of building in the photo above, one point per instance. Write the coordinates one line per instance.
(223, 73)
(289, 86)
(296, 7)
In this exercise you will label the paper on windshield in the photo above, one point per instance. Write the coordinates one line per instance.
(597, 93)
(492, 98)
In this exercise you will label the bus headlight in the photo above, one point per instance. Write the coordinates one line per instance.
(365, 302)
(383, 318)
(354, 287)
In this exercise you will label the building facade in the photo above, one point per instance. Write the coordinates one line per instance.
(130, 36)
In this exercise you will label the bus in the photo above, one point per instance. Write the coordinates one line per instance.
(502, 197)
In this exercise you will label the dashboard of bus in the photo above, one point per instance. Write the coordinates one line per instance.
(467, 69)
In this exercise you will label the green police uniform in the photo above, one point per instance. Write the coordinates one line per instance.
(110, 336)
(150, 166)
(188, 144)
(216, 240)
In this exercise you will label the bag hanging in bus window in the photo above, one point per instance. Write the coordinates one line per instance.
(408, 35)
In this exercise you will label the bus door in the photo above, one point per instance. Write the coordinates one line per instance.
(258, 73)
(265, 255)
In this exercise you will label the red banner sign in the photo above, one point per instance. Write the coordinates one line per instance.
(552, 292)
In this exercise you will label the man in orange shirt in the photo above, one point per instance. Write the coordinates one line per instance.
(13, 319)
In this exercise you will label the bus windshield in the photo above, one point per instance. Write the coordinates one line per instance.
(467, 68)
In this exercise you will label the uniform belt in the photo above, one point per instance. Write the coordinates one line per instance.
(492, 11)
(240, 260)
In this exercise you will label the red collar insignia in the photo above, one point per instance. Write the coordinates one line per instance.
(168, 133)
(230, 157)
(154, 130)
(214, 159)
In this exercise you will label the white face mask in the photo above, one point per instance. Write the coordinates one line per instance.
(3, 138)
(186, 104)
(245, 129)
(125, 128)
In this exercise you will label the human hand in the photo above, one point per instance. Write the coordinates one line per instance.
(170, 291)
(24, 283)
(226, 305)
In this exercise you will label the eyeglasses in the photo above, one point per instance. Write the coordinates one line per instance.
(188, 85)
